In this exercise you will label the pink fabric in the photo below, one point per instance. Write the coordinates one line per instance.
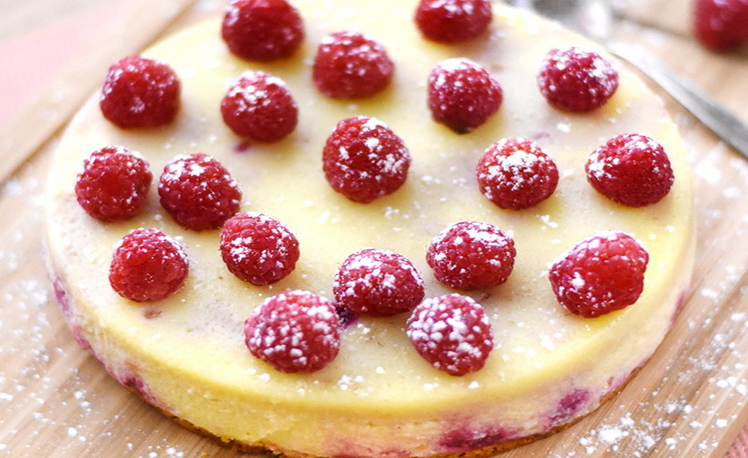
(36, 57)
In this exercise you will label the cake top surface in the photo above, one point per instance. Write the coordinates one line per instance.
(534, 336)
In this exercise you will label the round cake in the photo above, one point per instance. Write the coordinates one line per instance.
(186, 354)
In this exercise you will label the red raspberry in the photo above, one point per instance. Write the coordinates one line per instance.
(452, 333)
(721, 24)
(262, 30)
(258, 249)
(450, 21)
(259, 106)
(601, 274)
(631, 169)
(147, 265)
(114, 184)
(471, 255)
(576, 80)
(294, 332)
(462, 94)
(377, 282)
(516, 174)
(140, 92)
(198, 192)
(350, 65)
(364, 160)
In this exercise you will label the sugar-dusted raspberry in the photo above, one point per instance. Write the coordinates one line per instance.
(450, 21)
(601, 274)
(631, 169)
(147, 265)
(721, 24)
(470, 255)
(516, 174)
(114, 183)
(262, 30)
(198, 192)
(350, 65)
(258, 249)
(462, 94)
(259, 106)
(573, 79)
(294, 332)
(452, 333)
(140, 92)
(377, 282)
(364, 160)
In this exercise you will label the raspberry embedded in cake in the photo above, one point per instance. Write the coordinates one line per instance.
(258, 249)
(147, 266)
(140, 92)
(462, 94)
(262, 30)
(451, 21)
(601, 274)
(631, 169)
(198, 192)
(294, 332)
(350, 65)
(452, 333)
(574, 79)
(377, 282)
(364, 159)
(516, 174)
(470, 255)
(259, 106)
(114, 184)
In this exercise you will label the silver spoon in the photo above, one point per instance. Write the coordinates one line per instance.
(594, 18)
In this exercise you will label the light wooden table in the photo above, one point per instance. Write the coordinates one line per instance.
(56, 399)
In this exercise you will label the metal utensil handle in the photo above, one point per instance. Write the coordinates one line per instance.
(701, 105)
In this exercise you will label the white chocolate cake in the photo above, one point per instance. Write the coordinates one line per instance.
(186, 354)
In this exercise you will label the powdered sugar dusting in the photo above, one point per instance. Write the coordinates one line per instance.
(452, 333)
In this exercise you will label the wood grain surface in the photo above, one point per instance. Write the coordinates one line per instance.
(57, 400)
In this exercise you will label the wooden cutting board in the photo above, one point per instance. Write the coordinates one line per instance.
(689, 400)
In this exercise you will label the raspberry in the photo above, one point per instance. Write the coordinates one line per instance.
(198, 192)
(140, 92)
(262, 30)
(516, 174)
(259, 106)
(462, 95)
(364, 160)
(258, 249)
(721, 24)
(631, 169)
(377, 282)
(114, 184)
(471, 255)
(576, 80)
(350, 65)
(147, 265)
(601, 274)
(294, 332)
(452, 333)
(450, 21)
